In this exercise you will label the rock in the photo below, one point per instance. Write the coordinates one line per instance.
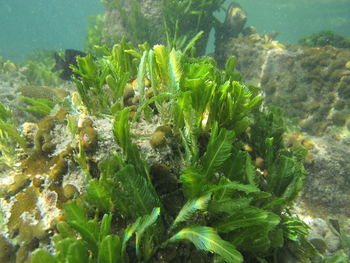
(313, 88)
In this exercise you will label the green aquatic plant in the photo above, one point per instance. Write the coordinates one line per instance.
(10, 137)
(41, 106)
(116, 68)
(38, 68)
(228, 205)
(181, 18)
(192, 16)
(325, 38)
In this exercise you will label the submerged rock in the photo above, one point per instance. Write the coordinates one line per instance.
(312, 86)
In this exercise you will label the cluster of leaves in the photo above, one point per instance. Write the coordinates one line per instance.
(114, 69)
(193, 16)
(38, 67)
(9, 137)
(7, 66)
(325, 38)
(187, 17)
(229, 208)
(43, 107)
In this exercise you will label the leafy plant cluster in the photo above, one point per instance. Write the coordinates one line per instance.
(192, 16)
(230, 208)
(188, 16)
(326, 38)
(9, 138)
(37, 68)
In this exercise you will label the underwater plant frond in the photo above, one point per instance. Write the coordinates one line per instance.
(135, 192)
(141, 225)
(41, 106)
(207, 239)
(218, 150)
(190, 208)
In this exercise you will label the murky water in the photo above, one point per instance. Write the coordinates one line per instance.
(49, 24)
(32, 24)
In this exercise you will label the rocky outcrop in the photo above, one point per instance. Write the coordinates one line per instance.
(312, 86)
(138, 21)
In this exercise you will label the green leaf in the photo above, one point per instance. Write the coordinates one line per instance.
(109, 250)
(246, 218)
(77, 253)
(105, 228)
(192, 42)
(206, 238)
(294, 228)
(89, 233)
(75, 212)
(227, 187)
(157, 98)
(63, 248)
(65, 230)
(121, 129)
(193, 182)
(41, 106)
(98, 195)
(229, 205)
(141, 224)
(169, 67)
(145, 222)
(190, 208)
(42, 256)
(218, 150)
(135, 192)
(141, 76)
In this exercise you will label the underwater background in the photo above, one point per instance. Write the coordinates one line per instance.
(49, 24)
(130, 131)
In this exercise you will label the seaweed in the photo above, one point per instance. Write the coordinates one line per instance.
(42, 107)
(325, 38)
(10, 137)
(37, 68)
(181, 18)
(192, 16)
(229, 208)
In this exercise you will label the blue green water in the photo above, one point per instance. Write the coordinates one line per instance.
(52, 24)
(48, 24)
(294, 19)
